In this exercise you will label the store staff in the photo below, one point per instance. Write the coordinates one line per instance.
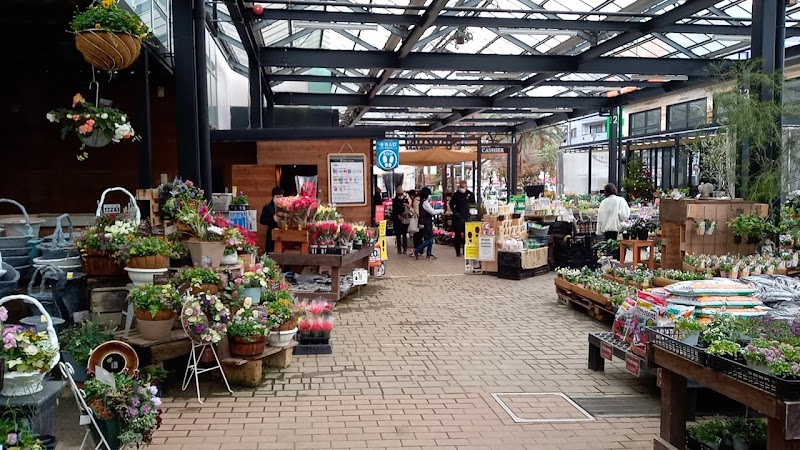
(459, 205)
(269, 217)
(613, 211)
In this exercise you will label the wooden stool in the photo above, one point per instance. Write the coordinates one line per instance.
(637, 247)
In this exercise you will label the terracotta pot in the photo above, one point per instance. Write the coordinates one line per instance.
(240, 346)
(155, 330)
(149, 262)
(206, 254)
(143, 314)
(102, 266)
(108, 51)
(286, 326)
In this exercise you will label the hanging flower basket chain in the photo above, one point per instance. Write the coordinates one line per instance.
(108, 36)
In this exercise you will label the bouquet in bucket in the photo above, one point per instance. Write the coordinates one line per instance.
(306, 186)
(319, 328)
(325, 213)
(327, 234)
(346, 234)
(303, 209)
(283, 209)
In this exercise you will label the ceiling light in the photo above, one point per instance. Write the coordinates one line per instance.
(504, 75)
(537, 32)
(429, 110)
(645, 77)
(335, 25)
(592, 88)
(730, 38)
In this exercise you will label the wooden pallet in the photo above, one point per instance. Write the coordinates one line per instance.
(291, 240)
(154, 210)
(596, 305)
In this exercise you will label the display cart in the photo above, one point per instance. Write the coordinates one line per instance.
(355, 259)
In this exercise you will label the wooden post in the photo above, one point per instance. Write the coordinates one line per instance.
(673, 410)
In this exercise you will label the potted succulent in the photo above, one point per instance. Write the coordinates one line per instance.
(109, 36)
(207, 244)
(196, 280)
(282, 319)
(688, 330)
(94, 125)
(77, 343)
(127, 413)
(239, 203)
(155, 307)
(247, 332)
(99, 242)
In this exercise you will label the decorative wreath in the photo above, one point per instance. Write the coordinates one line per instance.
(205, 318)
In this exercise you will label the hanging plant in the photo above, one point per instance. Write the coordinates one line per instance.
(95, 126)
(108, 36)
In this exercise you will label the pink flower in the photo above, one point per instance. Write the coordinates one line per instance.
(12, 438)
(3, 314)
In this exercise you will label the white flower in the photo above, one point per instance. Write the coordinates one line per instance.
(104, 116)
(248, 302)
(52, 117)
(216, 230)
(124, 118)
(120, 131)
(255, 313)
(188, 311)
(31, 350)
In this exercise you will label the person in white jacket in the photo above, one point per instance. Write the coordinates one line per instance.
(613, 211)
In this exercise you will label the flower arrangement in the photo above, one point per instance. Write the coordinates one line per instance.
(302, 209)
(105, 236)
(80, 339)
(281, 308)
(361, 234)
(206, 316)
(95, 125)
(197, 216)
(107, 15)
(140, 246)
(239, 240)
(249, 323)
(132, 402)
(155, 298)
(283, 209)
(173, 194)
(326, 213)
(316, 327)
(346, 234)
(325, 233)
(308, 188)
(26, 350)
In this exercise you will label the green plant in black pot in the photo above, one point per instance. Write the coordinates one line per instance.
(239, 203)
(709, 432)
(77, 343)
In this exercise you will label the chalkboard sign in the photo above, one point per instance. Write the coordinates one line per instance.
(347, 179)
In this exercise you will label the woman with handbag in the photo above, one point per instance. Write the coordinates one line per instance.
(413, 220)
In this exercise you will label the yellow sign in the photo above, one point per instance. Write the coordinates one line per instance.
(375, 256)
(472, 233)
(382, 228)
(384, 250)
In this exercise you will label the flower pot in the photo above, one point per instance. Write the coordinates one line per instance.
(254, 293)
(143, 276)
(110, 429)
(626, 236)
(759, 366)
(314, 249)
(17, 384)
(108, 51)
(723, 274)
(701, 229)
(79, 368)
(281, 338)
(96, 139)
(155, 330)
(210, 289)
(101, 266)
(691, 338)
(148, 262)
(740, 444)
(286, 326)
(206, 254)
(642, 235)
(710, 230)
(737, 239)
(49, 442)
(240, 346)
(230, 260)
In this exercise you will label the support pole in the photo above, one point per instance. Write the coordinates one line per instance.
(143, 122)
(201, 69)
(613, 147)
(666, 158)
(186, 90)
(479, 175)
(256, 96)
(676, 168)
(589, 187)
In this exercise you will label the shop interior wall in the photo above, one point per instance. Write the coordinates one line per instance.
(257, 180)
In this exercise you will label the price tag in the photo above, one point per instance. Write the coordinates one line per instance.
(42, 319)
(632, 364)
(161, 278)
(70, 275)
(85, 420)
(607, 351)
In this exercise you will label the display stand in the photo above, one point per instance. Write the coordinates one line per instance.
(249, 371)
(783, 417)
(637, 246)
(87, 416)
(358, 258)
(193, 369)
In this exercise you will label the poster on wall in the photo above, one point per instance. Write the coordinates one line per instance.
(347, 179)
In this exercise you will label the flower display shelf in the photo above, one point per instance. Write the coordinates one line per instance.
(291, 240)
(176, 345)
(249, 371)
(601, 343)
(781, 388)
(597, 305)
(356, 259)
(782, 414)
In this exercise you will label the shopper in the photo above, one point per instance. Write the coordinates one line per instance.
(400, 218)
(459, 205)
(613, 211)
(416, 236)
(426, 214)
(269, 217)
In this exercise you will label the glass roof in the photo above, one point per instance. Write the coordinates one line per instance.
(485, 40)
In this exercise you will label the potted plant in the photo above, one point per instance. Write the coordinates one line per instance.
(282, 319)
(710, 225)
(94, 125)
(345, 237)
(701, 227)
(155, 307)
(725, 269)
(252, 284)
(205, 317)
(174, 194)
(196, 280)
(99, 242)
(688, 330)
(207, 244)
(16, 435)
(127, 413)
(28, 357)
(709, 432)
(109, 36)
(77, 343)
(145, 252)
(361, 237)
(239, 203)
(154, 375)
(724, 348)
(247, 332)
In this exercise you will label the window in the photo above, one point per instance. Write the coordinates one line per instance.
(645, 122)
(599, 128)
(685, 116)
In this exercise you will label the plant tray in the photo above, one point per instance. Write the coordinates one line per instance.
(521, 274)
(313, 340)
(664, 337)
(321, 349)
(694, 444)
(662, 282)
(781, 388)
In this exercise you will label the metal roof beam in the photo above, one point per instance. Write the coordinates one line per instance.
(296, 57)
(248, 39)
(420, 101)
(455, 82)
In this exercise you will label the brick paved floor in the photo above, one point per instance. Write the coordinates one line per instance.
(414, 366)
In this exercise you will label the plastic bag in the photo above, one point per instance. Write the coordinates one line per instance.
(775, 289)
(306, 186)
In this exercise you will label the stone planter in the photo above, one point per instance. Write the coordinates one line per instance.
(245, 347)
(206, 254)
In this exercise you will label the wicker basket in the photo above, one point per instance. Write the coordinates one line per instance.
(108, 51)
(102, 266)
(243, 347)
(148, 262)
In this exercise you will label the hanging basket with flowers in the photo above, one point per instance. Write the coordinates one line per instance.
(108, 36)
(95, 126)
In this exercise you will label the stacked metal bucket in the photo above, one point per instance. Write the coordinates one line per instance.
(19, 239)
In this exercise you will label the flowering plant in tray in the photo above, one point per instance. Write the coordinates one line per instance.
(108, 234)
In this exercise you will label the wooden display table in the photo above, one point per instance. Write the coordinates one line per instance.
(249, 371)
(783, 417)
(356, 259)
(154, 352)
(637, 247)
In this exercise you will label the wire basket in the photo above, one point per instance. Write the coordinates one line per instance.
(664, 337)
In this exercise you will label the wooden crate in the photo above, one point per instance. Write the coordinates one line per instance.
(291, 240)
(107, 304)
(154, 210)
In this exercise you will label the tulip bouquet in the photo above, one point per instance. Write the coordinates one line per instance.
(302, 210)
(346, 234)
(326, 213)
(306, 186)
(283, 209)
(327, 233)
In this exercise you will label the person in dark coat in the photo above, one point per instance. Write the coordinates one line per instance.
(426, 214)
(269, 217)
(459, 205)
(400, 217)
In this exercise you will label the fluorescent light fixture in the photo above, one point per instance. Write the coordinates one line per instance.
(537, 32)
(645, 77)
(335, 25)
(730, 38)
(593, 88)
(429, 110)
(503, 75)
